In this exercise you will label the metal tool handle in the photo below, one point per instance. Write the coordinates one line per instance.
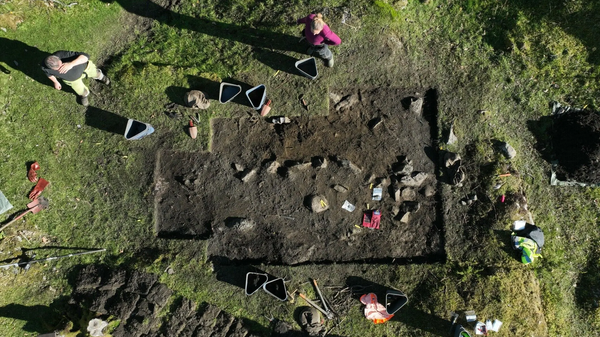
(327, 314)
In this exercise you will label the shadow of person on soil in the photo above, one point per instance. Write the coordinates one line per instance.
(24, 58)
(409, 315)
(251, 36)
(39, 318)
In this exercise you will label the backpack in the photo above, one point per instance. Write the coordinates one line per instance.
(529, 241)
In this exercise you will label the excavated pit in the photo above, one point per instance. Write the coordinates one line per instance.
(251, 195)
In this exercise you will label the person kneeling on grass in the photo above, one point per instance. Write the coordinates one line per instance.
(318, 35)
(72, 68)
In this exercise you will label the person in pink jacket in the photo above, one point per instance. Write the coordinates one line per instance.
(318, 35)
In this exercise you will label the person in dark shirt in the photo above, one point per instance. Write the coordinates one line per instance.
(72, 68)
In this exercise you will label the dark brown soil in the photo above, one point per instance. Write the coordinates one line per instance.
(576, 142)
(136, 299)
(250, 210)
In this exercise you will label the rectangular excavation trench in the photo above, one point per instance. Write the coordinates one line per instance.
(250, 196)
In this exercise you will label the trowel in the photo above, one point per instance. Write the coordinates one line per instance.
(193, 130)
(33, 207)
(266, 108)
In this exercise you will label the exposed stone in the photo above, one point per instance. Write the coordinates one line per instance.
(428, 191)
(303, 166)
(272, 167)
(405, 217)
(319, 204)
(340, 188)
(347, 102)
(414, 180)
(452, 139)
(398, 195)
(239, 167)
(450, 158)
(383, 182)
(416, 106)
(243, 224)
(395, 210)
(403, 168)
(249, 175)
(508, 151)
(409, 194)
(355, 168)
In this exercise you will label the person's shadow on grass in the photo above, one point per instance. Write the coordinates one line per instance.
(39, 318)
(24, 58)
(254, 37)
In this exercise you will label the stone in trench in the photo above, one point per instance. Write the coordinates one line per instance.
(395, 210)
(398, 195)
(346, 102)
(243, 224)
(303, 166)
(428, 191)
(409, 194)
(414, 180)
(403, 168)
(239, 167)
(452, 139)
(340, 188)
(450, 158)
(416, 106)
(249, 175)
(405, 217)
(318, 203)
(272, 167)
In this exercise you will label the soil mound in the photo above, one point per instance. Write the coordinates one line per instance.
(137, 300)
(576, 142)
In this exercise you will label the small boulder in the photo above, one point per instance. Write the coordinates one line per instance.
(416, 106)
(249, 175)
(428, 191)
(340, 188)
(272, 167)
(346, 102)
(508, 151)
(414, 180)
(409, 194)
(318, 203)
(452, 139)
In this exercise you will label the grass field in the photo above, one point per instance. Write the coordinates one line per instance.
(508, 58)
